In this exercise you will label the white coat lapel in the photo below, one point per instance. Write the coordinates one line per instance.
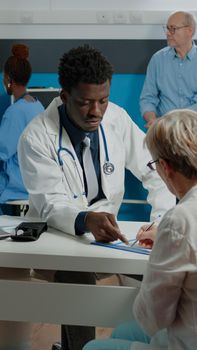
(66, 143)
(71, 166)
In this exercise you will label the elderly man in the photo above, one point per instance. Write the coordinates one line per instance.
(171, 79)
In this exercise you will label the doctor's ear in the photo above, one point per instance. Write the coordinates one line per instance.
(64, 96)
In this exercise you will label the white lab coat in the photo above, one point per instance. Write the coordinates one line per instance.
(166, 306)
(52, 187)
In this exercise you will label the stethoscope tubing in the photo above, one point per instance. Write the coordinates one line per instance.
(60, 149)
(104, 143)
(108, 168)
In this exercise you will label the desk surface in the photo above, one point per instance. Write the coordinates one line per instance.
(57, 250)
(69, 303)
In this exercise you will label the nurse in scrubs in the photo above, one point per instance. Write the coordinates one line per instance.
(16, 74)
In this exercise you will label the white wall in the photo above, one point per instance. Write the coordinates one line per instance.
(87, 19)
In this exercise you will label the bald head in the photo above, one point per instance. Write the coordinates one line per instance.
(185, 19)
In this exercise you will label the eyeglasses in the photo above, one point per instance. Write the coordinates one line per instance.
(172, 30)
(151, 165)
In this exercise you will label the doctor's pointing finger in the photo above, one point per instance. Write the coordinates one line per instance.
(104, 227)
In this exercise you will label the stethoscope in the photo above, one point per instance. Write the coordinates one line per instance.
(108, 167)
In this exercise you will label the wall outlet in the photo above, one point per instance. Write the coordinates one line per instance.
(103, 17)
(120, 17)
(27, 17)
(136, 17)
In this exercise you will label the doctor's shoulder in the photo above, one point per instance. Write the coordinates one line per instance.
(116, 115)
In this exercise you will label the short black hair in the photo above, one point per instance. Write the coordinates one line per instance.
(83, 64)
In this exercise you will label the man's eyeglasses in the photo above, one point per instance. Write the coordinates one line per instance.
(151, 165)
(172, 30)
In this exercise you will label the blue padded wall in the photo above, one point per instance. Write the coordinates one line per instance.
(125, 91)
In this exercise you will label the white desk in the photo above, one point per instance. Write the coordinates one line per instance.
(68, 303)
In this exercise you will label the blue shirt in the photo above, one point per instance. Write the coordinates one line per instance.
(76, 136)
(170, 83)
(14, 121)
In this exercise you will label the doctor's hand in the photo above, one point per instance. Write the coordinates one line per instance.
(104, 227)
(146, 236)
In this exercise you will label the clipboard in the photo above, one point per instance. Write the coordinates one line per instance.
(122, 246)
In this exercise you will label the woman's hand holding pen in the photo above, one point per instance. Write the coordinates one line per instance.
(146, 235)
(104, 227)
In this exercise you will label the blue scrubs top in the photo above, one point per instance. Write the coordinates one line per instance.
(14, 121)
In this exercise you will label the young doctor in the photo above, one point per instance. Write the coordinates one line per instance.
(64, 188)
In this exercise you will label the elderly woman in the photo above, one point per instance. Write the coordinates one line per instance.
(166, 306)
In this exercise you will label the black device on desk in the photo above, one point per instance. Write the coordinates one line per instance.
(29, 231)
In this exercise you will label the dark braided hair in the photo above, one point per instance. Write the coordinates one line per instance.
(17, 66)
(83, 64)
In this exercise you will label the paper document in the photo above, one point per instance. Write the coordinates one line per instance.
(122, 246)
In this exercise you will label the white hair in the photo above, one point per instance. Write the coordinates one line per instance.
(173, 137)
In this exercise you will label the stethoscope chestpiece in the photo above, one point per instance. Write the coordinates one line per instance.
(108, 168)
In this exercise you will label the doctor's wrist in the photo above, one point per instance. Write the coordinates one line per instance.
(80, 226)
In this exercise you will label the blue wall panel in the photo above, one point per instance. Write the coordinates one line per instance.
(125, 91)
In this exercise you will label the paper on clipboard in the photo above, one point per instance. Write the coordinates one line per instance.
(122, 246)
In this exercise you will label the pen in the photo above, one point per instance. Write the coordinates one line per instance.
(136, 240)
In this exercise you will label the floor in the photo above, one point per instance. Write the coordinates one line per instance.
(44, 335)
